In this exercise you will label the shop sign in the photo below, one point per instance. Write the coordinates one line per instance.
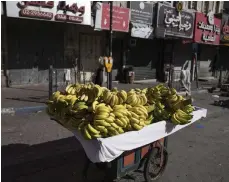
(174, 23)
(207, 29)
(141, 12)
(140, 30)
(141, 19)
(66, 11)
(120, 18)
(225, 28)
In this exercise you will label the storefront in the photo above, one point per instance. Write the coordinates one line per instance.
(46, 33)
(173, 25)
(207, 35)
(142, 48)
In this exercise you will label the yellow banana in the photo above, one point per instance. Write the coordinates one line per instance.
(120, 130)
(109, 119)
(67, 88)
(119, 122)
(134, 115)
(86, 134)
(114, 125)
(112, 102)
(118, 107)
(101, 116)
(134, 120)
(124, 121)
(118, 114)
(101, 129)
(137, 127)
(97, 136)
(111, 114)
(94, 105)
(92, 130)
(101, 123)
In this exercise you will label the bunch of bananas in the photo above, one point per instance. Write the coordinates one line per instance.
(188, 109)
(98, 112)
(180, 117)
(114, 97)
(136, 98)
(85, 92)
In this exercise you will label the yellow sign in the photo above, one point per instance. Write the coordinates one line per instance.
(108, 67)
(108, 63)
(179, 6)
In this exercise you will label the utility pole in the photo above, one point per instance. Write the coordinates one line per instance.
(109, 75)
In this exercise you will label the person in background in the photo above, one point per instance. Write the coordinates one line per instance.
(185, 77)
(99, 73)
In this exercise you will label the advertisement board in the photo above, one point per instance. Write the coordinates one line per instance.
(63, 11)
(207, 29)
(171, 22)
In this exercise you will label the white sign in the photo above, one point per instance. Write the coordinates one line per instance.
(63, 11)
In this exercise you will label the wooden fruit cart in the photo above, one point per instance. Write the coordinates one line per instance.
(149, 160)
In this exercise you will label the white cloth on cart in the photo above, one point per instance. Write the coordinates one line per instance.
(107, 149)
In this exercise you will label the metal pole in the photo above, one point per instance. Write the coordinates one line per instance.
(221, 68)
(171, 66)
(109, 76)
(50, 81)
(56, 85)
(5, 42)
(196, 70)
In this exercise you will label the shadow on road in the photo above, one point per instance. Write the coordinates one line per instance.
(50, 161)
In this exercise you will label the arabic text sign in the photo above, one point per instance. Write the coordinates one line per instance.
(141, 12)
(173, 23)
(67, 11)
(207, 29)
(120, 19)
(225, 28)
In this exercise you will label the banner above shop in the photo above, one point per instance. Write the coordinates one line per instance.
(207, 29)
(174, 23)
(64, 11)
(224, 36)
(141, 19)
(141, 12)
(120, 18)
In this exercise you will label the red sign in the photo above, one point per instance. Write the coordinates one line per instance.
(120, 19)
(207, 29)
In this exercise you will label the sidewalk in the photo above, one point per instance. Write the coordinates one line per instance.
(33, 97)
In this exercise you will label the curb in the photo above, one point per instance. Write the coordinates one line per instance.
(22, 110)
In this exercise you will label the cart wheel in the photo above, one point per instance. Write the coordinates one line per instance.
(153, 168)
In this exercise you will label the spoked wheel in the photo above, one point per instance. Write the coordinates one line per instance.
(154, 167)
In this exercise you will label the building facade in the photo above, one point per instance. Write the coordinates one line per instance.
(30, 44)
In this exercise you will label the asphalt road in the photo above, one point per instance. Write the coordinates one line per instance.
(37, 149)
